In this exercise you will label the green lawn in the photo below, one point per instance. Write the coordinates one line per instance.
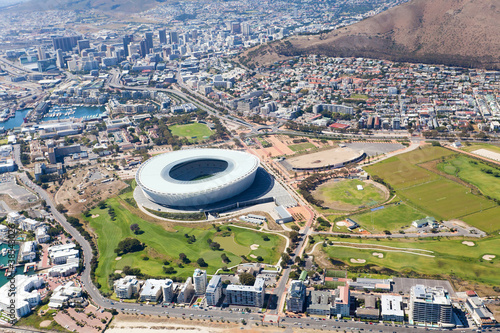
(346, 194)
(358, 96)
(451, 257)
(486, 220)
(3, 142)
(392, 218)
(445, 199)
(469, 170)
(401, 171)
(301, 146)
(194, 132)
(167, 245)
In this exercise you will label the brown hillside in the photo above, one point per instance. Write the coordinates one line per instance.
(123, 6)
(452, 32)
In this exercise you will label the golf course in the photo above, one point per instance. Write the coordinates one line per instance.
(164, 243)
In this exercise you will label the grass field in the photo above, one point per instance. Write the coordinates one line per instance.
(3, 142)
(445, 199)
(451, 257)
(194, 132)
(438, 196)
(301, 146)
(162, 244)
(401, 171)
(392, 218)
(469, 170)
(487, 220)
(344, 194)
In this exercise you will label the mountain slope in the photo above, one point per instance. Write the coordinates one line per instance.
(453, 32)
(126, 6)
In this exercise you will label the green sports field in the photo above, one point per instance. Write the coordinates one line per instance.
(301, 146)
(442, 257)
(402, 171)
(445, 199)
(162, 244)
(392, 218)
(435, 195)
(470, 170)
(345, 195)
(194, 132)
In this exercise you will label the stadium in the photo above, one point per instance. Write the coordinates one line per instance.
(196, 177)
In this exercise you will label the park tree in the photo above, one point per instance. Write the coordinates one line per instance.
(135, 228)
(247, 279)
(201, 262)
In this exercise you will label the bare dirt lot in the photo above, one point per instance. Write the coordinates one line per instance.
(86, 186)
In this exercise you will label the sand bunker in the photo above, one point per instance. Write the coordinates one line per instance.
(489, 257)
(468, 243)
(118, 258)
(253, 256)
(358, 261)
(94, 216)
(254, 247)
(377, 254)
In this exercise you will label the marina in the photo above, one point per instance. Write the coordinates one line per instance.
(75, 112)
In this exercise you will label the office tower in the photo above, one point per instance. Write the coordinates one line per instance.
(245, 27)
(144, 48)
(200, 281)
(127, 39)
(174, 38)
(65, 43)
(235, 27)
(83, 44)
(194, 34)
(41, 53)
(163, 36)
(59, 58)
(149, 41)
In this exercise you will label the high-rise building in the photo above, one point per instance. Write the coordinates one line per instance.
(59, 58)
(144, 48)
(429, 306)
(200, 281)
(296, 296)
(127, 39)
(194, 34)
(245, 27)
(162, 34)
(214, 290)
(149, 41)
(167, 290)
(235, 27)
(65, 43)
(174, 37)
(83, 44)
(41, 53)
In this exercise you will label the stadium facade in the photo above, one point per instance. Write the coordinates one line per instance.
(196, 177)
